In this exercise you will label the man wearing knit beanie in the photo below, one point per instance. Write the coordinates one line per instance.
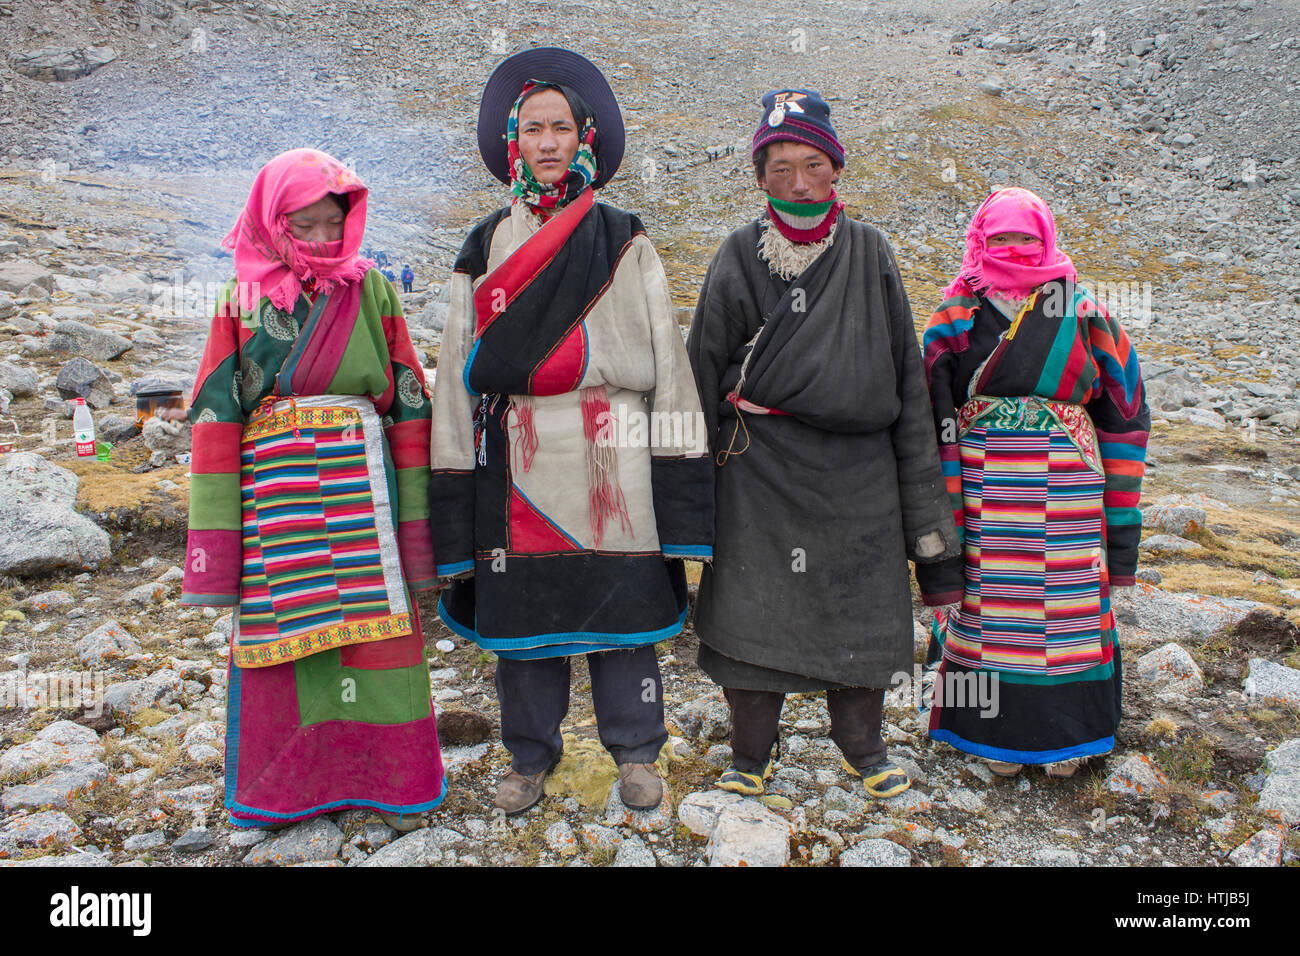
(828, 478)
(797, 158)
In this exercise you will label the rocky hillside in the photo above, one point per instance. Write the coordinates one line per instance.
(1164, 137)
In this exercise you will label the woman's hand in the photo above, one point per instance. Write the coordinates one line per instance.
(172, 414)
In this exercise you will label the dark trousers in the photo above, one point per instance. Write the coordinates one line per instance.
(626, 691)
(856, 714)
(406, 286)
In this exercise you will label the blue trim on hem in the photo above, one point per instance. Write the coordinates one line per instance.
(333, 805)
(610, 642)
(446, 570)
(1092, 748)
(686, 550)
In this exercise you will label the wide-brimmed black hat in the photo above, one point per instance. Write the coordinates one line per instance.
(552, 65)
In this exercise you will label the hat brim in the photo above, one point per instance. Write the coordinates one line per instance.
(552, 65)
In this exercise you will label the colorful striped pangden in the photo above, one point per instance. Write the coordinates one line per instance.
(1033, 513)
(320, 566)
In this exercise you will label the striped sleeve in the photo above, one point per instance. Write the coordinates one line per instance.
(1119, 411)
(213, 557)
(946, 335)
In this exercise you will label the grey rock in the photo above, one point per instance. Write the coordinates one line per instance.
(718, 756)
(1169, 544)
(706, 718)
(78, 338)
(1281, 792)
(47, 600)
(143, 842)
(17, 274)
(876, 852)
(1269, 681)
(314, 839)
(116, 428)
(62, 743)
(699, 812)
(419, 848)
(19, 382)
(1056, 856)
(1137, 776)
(561, 839)
(966, 800)
(633, 852)
(126, 697)
(40, 829)
(642, 821)
(58, 64)
(1262, 849)
(198, 796)
(194, 841)
(56, 790)
(1174, 519)
(1171, 668)
(992, 87)
(748, 834)
(109, 640)
(80, 378)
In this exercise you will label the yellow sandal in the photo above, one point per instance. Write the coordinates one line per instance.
(882, 780)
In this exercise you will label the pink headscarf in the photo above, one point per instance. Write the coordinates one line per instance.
(269, 261)
(1011, 210)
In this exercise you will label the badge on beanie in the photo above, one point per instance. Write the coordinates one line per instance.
(785, 102)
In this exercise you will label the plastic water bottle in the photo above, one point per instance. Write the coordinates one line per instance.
(83, 428)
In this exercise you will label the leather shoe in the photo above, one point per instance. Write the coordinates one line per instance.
(640, 785)
(518, 792)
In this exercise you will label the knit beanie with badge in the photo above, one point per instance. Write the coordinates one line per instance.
(800, 116)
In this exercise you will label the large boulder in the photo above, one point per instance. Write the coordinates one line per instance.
(43, 532)
(57, 64)
(18, 274)
(19, 381)
(78, 338)
(82, 379)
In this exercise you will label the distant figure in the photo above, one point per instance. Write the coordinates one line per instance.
(388, 274)
(408, 277)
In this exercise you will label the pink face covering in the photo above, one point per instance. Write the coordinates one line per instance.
(1012, 272)
(1029, 254)
(269, 261)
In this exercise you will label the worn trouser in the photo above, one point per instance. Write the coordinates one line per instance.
(855, 725)
(626, 691)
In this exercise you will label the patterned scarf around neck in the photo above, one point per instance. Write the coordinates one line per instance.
(803, 222)
(581, 172)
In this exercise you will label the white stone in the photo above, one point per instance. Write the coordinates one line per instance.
(748, 834)
(1171, 668)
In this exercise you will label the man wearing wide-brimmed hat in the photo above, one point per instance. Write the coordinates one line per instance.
(828, 477)
(559, 538)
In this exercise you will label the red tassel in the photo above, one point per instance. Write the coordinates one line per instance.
(605, 498)
(526, 440)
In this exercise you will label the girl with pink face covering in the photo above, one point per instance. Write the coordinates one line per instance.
(1042, 426)
(309, 511)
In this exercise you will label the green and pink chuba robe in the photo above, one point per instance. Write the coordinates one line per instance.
(309, 512)
(569, 463)
(1042, 424)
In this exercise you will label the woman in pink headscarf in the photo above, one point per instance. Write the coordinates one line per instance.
(1042, 427)
(309, 511)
